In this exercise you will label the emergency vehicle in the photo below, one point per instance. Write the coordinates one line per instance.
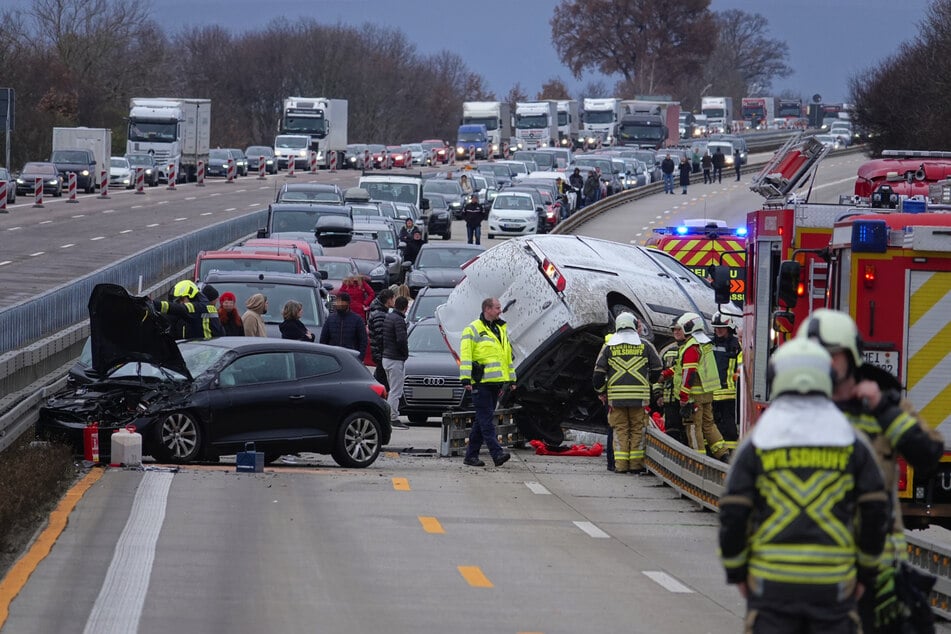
(884, 181)
(891, 271)
(700, 243)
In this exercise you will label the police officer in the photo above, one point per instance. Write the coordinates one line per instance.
(729, 358)
(486, 368)
(623, 373)
(697, 385)
(190, 313)
(871, 400)
(804, 512)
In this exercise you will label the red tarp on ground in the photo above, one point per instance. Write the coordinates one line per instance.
(542, 449)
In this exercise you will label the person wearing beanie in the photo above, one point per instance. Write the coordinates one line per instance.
(253, 318)
(229, 316)
(344, 328)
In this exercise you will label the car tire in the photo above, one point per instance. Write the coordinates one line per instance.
(418, 419)
(178, 438)
(358, 442)
(491, 236)
(447, 236)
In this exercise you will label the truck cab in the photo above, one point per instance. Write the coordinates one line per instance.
(536, 124)
(600, 121)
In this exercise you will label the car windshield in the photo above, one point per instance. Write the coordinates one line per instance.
(118, 162)
(433, 145)
(443, 258)
(358, 250)
(366, 210)
(606, 165)
(258, 150)
(39, 168)
(490, 123)
(277, 295)
(285, 220)
(198, 358)
(219, 154)
(543, 161)
(498, 170)
(384, 237)
(146, 131)
(443, 187)
(426, 338)
(471, 137)
(394, 192)
(425, 305)
(599, 116)
(140, 159)
(309, 196)
(69, 156)
(305, 123)
(508, 201)
(248, 265)
(291, 142)
(337, 270)
(531, 121)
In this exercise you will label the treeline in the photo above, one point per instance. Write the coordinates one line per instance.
(77, 62)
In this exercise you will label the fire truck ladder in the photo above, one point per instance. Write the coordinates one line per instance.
(789, 167)
(818, 283)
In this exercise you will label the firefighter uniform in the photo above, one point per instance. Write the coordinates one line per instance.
(804, 511)
(729, 359)
(699, 381)
(670, 386)
(191, 316)
(624, 371)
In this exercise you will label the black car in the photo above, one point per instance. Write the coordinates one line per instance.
(440, 217)
(254, 154)
(11, 185)
(204, 398)
(298, 218)
(432, 383)
(218, 162)
(81, 162)
(425, 303)
(450, 189)
(240, 161)
(439, 265)
(324, 193)
(147, 163)
(52, 179)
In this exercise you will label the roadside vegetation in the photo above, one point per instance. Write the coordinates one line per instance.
(32, 481)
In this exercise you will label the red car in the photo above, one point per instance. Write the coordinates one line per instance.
(399, 156)
(441, 149)
(380, 157)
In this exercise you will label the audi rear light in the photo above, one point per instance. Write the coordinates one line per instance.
(379, 390)
(553, 275)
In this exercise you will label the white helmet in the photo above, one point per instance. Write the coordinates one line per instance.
(723, 321)
(802, 366)
(625, 320)
(834, 331)
(689, 323)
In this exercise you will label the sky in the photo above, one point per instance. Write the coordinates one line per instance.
(508, 41)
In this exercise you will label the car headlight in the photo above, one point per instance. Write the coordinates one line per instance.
(564, 141)
(608, 138)
(302, 153)
(148, 170)
(460, 150)
(379, 271)
(20, 181)
(495, 147)
(85, 173)
(353, 159)
(52, 181)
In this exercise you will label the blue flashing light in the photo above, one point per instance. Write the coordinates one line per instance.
(741, 231)
(869, 236)
(909, 206)
(682, 230)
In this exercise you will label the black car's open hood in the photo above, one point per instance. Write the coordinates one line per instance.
(127, 329)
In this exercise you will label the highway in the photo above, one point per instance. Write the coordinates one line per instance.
(416, 543)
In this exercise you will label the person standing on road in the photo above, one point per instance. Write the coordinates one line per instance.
(406, 231)
(871, 400)
(737, 163)
(667, 169)
(684, 174)
(706, 162)
(486, 368)
(344, 328)
(411, 250)
(718, 162)
(576, 181)
(670, 384)
(378, 310)
(465, 185)
(473, 214)
(592, 188)
(292, 327)
(229, 316)
(253, 317)
(191, 314)
(729, 357)
(804, 512)
(395, 354)
(623, 373)
(360, 292)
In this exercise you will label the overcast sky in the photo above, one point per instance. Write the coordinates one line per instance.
(510, 40)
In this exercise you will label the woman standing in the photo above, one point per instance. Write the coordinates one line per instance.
(229, 316)
(685, 169)
(361, 294)
(292, 327)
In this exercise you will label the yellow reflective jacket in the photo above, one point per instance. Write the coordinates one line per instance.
(494, 353)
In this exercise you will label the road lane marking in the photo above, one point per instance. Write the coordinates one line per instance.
(98, 238)
(207, 213)
(231, 209)
(474, 577)
(253, 205)
(33, 255)
(118, 607)
(108, 211)
(400, 484)
(136, 206)
(154, 224)
(189, 197)
(213, 195)
(66, 246)
(126, 231)
(5, 262)
(16, 579)
(667, 582)
(163, 202)
(592, 530)
(180, 219)
(537, 488)
(241, 191)
(431, 525)
(18, 228)
(78, 216)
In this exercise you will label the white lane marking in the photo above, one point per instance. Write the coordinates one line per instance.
(163, 202)
(592, 530)
(66, 246)
(136, 206)
(667, 582)
(118, 608)
(5, 262)
(537, 488)
(207, 213)
(189, 198)
(79, 216)
(212, 195)
(241, 191)
(108, 211)
(231, 209)
(253, 205)
(33, 255)
(18, 228)
(180, 219)
(126, 231)
(154, 224)
(98, 238)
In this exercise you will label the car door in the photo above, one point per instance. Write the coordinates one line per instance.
(256, 401)
(317, 414)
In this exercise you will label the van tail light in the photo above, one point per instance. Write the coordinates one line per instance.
(902, 475)
(553, 275)
(379, 390)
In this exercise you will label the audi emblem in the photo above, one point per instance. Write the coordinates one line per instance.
(434, 380)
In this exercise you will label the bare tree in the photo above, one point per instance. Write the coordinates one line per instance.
(593, 89)
(554, 88)
(515, 94)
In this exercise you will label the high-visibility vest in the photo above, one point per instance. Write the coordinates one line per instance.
(729, 357)
(706, 368)
(627, 371)
(479, 344)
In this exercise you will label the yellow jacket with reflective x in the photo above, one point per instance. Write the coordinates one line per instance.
(489, 347)
(625, 368)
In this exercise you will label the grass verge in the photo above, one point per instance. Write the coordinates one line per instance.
(32, 481)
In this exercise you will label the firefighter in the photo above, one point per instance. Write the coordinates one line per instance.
(871, 400)
(698, 382)
(670, 384)
(729, 358)
(623, 373)
(804, 511)
(190, 313)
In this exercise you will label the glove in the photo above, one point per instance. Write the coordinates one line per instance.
(687, 411)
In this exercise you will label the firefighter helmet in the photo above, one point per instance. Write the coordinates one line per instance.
(835, 331)
(801, 366)
(185, 288)
(625, 320)
(723, 321)
(689, 323)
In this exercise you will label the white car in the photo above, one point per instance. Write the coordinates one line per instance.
(559, 295)
(120, 173)
(513, 214)
(829, 140)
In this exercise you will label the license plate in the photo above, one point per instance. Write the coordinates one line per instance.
(433, 393)
(885, 359)
(510, 227)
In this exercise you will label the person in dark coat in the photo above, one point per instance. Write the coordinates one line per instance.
(667, 169)
(737, 163)
(706, 162)
(718, 162)
(378, 311)
(411, 250)
(473, 214)
(292, 327)
(344, 328)
(685, 169)
(229, 316)
(395, 354)
(592, 189)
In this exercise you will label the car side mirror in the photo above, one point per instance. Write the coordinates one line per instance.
(262, 233)
(540, 209)
(721, 283)
(323, 274)
(389, 259)
(406, 266)
(424, 204)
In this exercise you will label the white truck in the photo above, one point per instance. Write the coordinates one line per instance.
(568, 122)
(323, 120)
(71, 153)
(719, 111)
(496, 116)
(173, 130)
(601, 118)
(536, 124)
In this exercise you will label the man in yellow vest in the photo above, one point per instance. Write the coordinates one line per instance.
(729, 358)
(486, 368)
(623, 374)
(698, 382)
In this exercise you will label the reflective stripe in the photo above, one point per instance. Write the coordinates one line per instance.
(899, 427)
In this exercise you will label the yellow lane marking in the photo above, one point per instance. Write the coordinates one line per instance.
(431, 525)
(17, 577)
(400, 484)
(391, 454)
(474, 577)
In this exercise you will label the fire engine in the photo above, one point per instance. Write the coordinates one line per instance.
(701, 243)
(889, 269)
(900, 173)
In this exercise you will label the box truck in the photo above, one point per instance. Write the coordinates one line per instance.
(496, 116)
(323, 120)
(176, 131)
(83, 151)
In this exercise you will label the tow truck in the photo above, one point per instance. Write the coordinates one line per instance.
(889, 269)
